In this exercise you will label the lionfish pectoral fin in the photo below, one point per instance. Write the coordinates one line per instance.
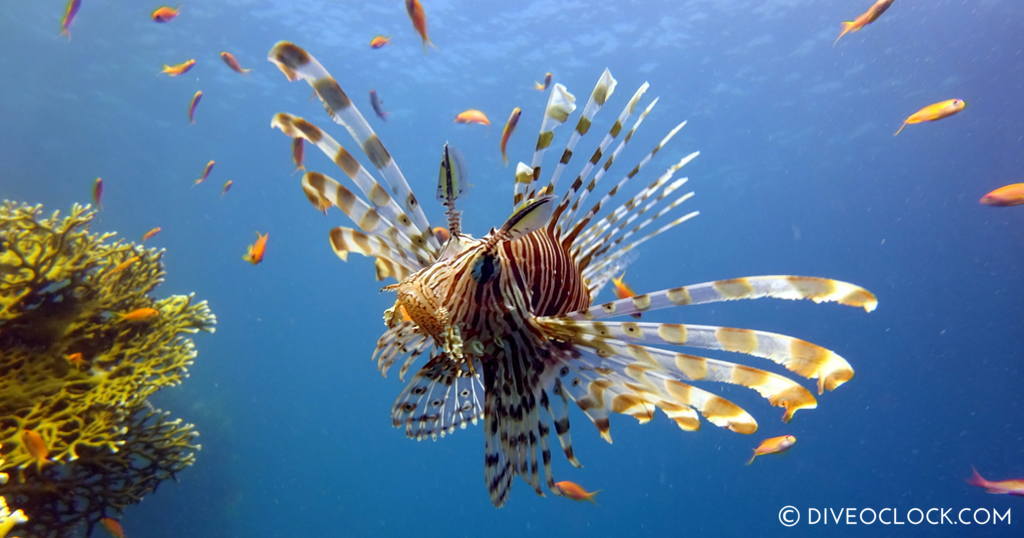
(442, 396)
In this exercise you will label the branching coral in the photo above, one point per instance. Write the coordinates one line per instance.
(8, 519)
(77, 372)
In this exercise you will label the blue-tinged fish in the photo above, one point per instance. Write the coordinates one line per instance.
(376, 103)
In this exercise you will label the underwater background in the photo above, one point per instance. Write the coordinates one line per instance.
(798, 174)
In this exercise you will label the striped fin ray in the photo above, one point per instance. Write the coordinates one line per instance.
(596, 208)
(560, 105)
(438, 399)
(595, 252)
(292, 59)
(402, 339)
(610, 160)
(603, 238)
(560, 417)
(612, 133)
(604, 89)
(636, 389)
(320, 188)
(609, 340)
(599, 267)
(295, 127)
(819, 290)
(346, 240)
(634, 204)
(799, 356)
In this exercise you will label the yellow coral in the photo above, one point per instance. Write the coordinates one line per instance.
(8, 519)
(62, 290)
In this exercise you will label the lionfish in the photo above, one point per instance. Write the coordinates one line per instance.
(507, 322)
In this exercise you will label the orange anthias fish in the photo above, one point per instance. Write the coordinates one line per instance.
(506, 133)
(226, 187)
(442, 234)
(76, 359)
(1007, 195)
(179, 69)
(998, 487)
(70, 10)
(149, 235)
(122, 266)
(206, 173)
(932, 112)
(112, 526)
(297, 153)
(472, 116)
(547, 82)
(97, 192)
(773, 445)
(379, 41)
(36, 447)
(164, 14)
(256, 250)
(419, 20)
(864, 19)
(139, 315)
(574, 491)
(193, 104)
(232, 62)
(623, 291)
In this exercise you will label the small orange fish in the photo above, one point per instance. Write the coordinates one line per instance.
(164, 14)
(404, 313)
(574, 491)
(179, 69)
(139, 315)
(998, 487)
(193, 104)
(36, 447)
(256, 250)
(623, 291)
(1007, 195)
(206, 173)
(379, 41)
(76, 359)
(233, 62)
(297, 152)
(547, 82)
(472, 116)
(419, 21)
(151, 233)
(773, 445)
(70, 10)
(442, 234)
(226, 187)
(864, 19)
(112, 526)
(122, 266)
(97, 192)
(506, 133)
(932, 112)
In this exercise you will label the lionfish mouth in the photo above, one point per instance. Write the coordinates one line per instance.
(507, 322)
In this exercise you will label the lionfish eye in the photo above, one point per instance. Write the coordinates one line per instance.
(485, 268)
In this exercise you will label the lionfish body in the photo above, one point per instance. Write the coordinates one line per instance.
(507, 322)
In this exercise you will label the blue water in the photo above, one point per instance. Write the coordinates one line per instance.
(799, 174)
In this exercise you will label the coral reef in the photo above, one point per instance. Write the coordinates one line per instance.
(8, 519)
(83, 347)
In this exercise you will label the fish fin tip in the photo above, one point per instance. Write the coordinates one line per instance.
(900, 130)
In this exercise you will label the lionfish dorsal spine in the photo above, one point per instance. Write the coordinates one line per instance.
(560, 105)
(595, 158)
(603, 89)
(609, 160)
